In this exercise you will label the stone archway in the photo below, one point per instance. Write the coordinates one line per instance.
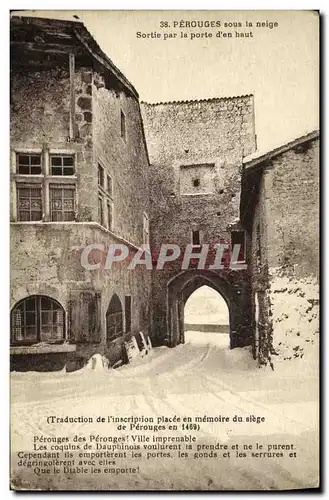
(184, 284)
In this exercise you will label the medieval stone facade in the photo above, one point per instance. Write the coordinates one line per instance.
(90, 165)
(79, 169)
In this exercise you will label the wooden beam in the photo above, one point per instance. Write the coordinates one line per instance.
(45, 47)
(72, 95)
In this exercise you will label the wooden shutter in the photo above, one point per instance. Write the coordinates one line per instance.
(85, 316)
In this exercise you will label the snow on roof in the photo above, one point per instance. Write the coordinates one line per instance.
(261, 156)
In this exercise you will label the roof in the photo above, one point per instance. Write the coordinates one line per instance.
(211, 99)
(56, 35)
(257, 160)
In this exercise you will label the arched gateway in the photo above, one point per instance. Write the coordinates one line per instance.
(235, 295)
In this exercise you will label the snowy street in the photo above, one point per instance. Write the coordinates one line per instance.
(201, 378)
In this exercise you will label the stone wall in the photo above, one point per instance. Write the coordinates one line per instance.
(46, 256)
(124, 159)
(286, 278)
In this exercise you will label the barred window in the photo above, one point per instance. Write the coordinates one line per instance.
(62, 203)
(29, 164)
(114, 319)
(29, 203)
(62, 164)
(37, 319)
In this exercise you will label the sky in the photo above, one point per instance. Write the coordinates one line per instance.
(278, 64)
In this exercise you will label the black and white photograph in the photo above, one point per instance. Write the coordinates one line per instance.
(164, 250)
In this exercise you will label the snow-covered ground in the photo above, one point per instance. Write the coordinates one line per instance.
(200, 378)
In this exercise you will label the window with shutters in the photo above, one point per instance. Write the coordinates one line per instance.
(114, 319)
(37, 319)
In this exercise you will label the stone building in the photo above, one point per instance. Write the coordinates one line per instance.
(83, 173)
(280, 211)
(196, 151)
(79, 168)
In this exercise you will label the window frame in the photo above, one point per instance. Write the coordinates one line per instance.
(20, 187)
(30, 155)
(43, 180)
(62, 166)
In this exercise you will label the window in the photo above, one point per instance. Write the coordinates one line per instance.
(196, 182)
(100, 210)
(62, 201)
(29, 164)
(29, 203)
(109, 214)
(45, 198)
(100, 176)
(146, 230)
(105, 202)
(109, 185)
(196, 238)
(114, 319)
(123, 125)
(62, 164)
(37, 319)
(128, 313)
(238, 238)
